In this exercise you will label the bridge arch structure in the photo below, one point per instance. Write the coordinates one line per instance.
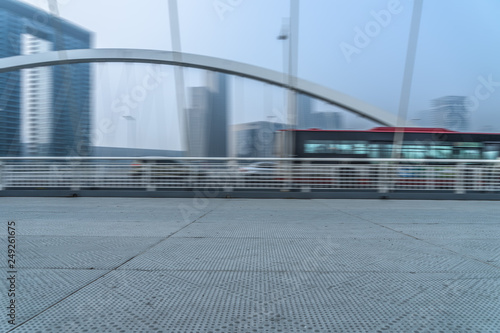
(314, 90)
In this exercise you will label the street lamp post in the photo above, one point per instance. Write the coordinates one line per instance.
(289, 33)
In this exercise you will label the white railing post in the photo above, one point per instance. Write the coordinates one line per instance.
(305, 166)
(383, 178)
(335, 184)
(287, 172)
(459, 180)
(393, 174)
(431, 177)
(192, 176)
(75, 184)
(1, 176)
(478, 179)
(228, 182)
(496, 175)
(494, 179)
(428, 178)
(149, 178)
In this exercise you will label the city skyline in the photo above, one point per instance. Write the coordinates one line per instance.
(45, 110)
(455, 56)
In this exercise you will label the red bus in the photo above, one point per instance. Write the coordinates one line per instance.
(418, 143)
(432, 144)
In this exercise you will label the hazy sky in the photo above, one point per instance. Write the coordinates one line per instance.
(355, 46)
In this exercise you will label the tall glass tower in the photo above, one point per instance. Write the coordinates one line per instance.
(44, 111)
(207, 118)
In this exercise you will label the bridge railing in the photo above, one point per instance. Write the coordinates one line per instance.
(235, 174)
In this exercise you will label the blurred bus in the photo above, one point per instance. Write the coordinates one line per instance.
(418, 143)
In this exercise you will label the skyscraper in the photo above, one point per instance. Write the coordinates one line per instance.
(36, 105)
(307, 119)
(304, 111)
(44, 111)
(197, 116)
(207, 118)
(451, 112)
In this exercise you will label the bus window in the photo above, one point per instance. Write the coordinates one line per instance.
(379, 150)
(385, 150)
(440, 151)
(467, 153)
(467, 150)
(334, 147)
(414, 151)
(491, 151)
(313, 146)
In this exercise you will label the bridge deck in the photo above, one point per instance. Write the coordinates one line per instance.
(242, 265)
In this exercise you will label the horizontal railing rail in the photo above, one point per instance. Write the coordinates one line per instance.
(237, 174)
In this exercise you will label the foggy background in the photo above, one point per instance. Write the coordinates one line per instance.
(457, 55)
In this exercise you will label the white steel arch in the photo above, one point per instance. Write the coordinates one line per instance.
(202, 62)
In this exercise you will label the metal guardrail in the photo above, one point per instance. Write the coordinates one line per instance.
(228, 174)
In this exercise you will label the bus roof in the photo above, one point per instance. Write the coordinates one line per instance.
(390, 130)
(412, 129)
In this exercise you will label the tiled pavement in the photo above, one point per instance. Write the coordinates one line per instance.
(250, 265)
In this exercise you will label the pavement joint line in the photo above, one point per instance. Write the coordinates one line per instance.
(85, 236)
(444, 248)
(242, 270)
(419, 239)
(371, 222)
(67, 268)
(288, 238)
(109, 271)
(412, 272)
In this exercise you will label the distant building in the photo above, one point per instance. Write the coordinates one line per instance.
(44, 111)
(134, 152)
(304, 111)
(207, 122)
(327, 120)
(197, 116)
(450, 112)
(306, 118)
(256, 139)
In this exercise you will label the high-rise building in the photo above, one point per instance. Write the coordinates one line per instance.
(306, 118)
(217, 125)
(207, 118)
(451, 112)
(197, 116)
(304, 111)
(256, 139)
(327, 120)
(44, 111)
(36, 104)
